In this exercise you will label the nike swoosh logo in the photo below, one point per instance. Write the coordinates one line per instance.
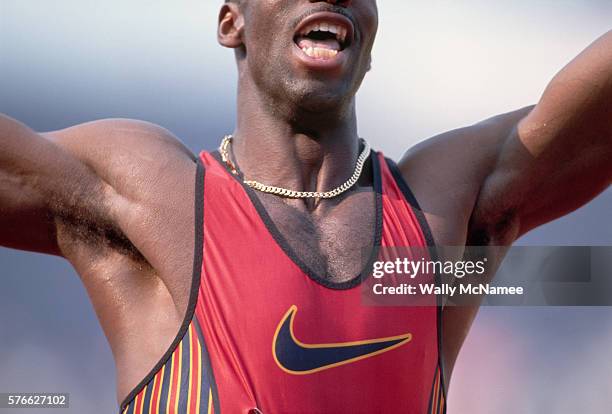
(298, 358)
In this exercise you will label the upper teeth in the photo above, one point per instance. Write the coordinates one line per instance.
(339, 31)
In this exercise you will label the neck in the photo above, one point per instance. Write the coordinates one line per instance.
(292, 148)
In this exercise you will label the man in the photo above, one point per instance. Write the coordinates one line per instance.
(249, 301)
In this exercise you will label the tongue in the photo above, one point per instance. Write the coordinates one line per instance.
(305, 42)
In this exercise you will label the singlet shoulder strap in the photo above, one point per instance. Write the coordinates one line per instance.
(393, 176)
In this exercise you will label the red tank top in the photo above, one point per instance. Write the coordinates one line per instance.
(265, 334)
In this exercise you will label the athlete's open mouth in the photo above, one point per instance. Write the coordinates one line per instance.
(322, 36)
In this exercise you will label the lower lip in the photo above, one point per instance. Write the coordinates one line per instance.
(335, 62)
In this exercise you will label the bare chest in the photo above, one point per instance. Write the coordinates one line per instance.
(335, 241)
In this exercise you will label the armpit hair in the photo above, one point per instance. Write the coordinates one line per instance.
(84, 218)
(99, 234)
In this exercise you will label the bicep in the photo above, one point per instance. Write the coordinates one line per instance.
(527, 189)
(557, 157)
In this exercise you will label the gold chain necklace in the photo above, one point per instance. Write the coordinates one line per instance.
(284, 192)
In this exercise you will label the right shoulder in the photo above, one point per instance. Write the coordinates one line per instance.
(119, 133)
(126, 154)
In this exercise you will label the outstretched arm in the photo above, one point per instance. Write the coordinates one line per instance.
(41, 183)
(91, 183)
(557, 157)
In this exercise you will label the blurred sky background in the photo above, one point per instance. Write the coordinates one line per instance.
(437, 65)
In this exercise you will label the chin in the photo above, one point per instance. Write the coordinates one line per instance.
(324, 100)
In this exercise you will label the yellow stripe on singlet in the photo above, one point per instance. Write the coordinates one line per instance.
(159, 391)
(170, 385)
(178, 380)
(199, 378)
(209, 400)
(152, 409)
(143, 393)
(189, 337)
